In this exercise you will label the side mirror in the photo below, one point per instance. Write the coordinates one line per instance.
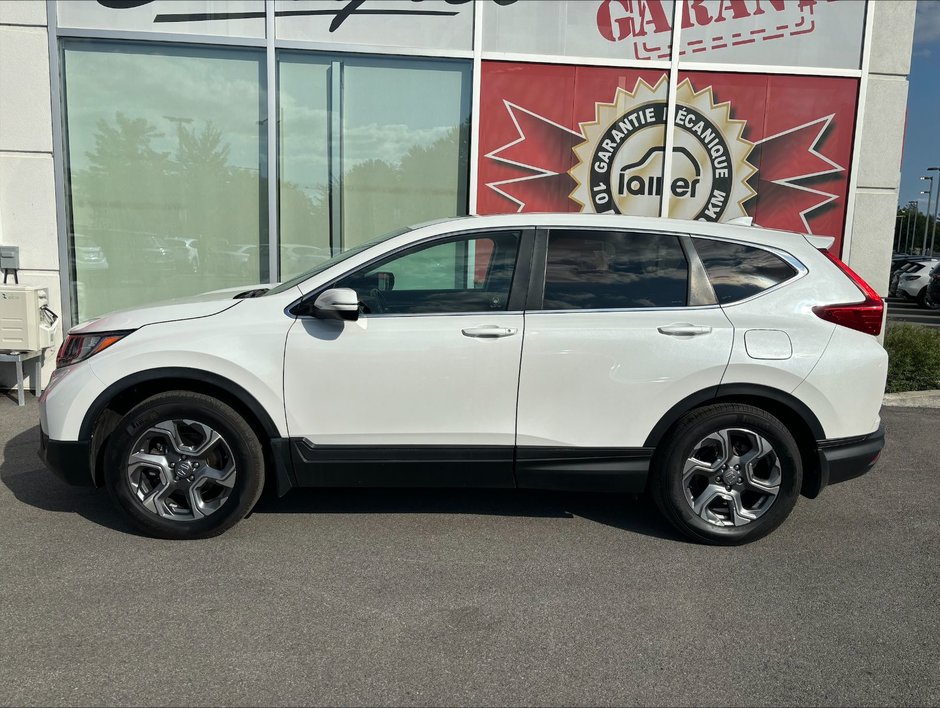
(337, 304)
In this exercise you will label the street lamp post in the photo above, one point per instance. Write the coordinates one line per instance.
(898, 230)
(909, 240)
(933, 233)
(923, 243)
(929, 193)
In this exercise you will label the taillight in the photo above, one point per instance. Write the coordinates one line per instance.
(865, 316)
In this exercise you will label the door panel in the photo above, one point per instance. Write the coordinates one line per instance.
(424, 381)
(409, 380)
(604, 379)
(611, 344)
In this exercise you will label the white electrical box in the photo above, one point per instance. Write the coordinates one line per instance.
(26, 323)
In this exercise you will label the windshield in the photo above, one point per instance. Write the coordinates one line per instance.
(338, 258)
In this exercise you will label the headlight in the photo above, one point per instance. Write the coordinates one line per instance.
(78, 347)
(909, 277)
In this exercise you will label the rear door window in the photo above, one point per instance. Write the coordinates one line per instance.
(590, 270)
(738, 272)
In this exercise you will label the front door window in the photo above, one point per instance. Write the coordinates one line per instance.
(472, 274)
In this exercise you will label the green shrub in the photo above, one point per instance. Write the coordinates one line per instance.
(913, 358)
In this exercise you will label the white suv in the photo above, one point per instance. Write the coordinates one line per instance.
(914, 279)
(726, 369)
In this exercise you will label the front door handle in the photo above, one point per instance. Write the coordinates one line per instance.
(683, 330)
(488, 331)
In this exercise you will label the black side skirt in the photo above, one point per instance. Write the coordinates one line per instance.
(569, 468)
(401, 466)
(583, 468)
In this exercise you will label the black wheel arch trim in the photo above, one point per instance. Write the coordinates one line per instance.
(724, 391)
(104, 399)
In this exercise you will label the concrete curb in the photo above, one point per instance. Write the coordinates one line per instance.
(913, 399)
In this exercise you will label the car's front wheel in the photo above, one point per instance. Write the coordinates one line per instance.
(183, 465)
(727, 474)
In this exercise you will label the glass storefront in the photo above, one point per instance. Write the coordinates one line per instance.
(167, 178)
(165, 185)
(176, 182)
(366, 146)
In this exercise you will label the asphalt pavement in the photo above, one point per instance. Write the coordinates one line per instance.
(903, 310)
(485, 598)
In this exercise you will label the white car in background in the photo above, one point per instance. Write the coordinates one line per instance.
(914, 279)
(725, 369)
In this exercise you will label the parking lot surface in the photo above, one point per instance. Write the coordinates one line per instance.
(901, 310)
(456, 597)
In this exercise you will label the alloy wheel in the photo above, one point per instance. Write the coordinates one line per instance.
(181, 470)
(731, 477)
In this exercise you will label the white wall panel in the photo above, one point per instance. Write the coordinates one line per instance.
(25, 113)
(873, 235)
(892, 37)
(27, 208)
(882, 133)
(22, 12)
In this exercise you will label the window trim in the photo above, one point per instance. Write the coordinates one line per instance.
(517, 290)
(535, 301)
(788, 258)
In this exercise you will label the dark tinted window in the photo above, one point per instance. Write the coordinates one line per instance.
(471, 274)
(737, 271)
(600, 269)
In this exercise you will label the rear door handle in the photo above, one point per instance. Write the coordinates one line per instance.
(488, 332)
(683, 330)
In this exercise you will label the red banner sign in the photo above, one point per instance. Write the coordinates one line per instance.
(566, 138)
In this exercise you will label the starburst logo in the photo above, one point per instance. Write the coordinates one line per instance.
(620, 162)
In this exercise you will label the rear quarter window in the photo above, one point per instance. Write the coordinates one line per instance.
(738, 272)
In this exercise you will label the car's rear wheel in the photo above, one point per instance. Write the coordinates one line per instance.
(727, 474)
(183, 465)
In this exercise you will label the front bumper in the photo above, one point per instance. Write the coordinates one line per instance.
(848, 458)
(69, 460)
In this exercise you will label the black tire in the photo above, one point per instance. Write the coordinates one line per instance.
(666, 485)
(924, 299)
(240, 438)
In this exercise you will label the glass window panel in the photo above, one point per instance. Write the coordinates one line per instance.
(464, 275)
(589, 270)
(737, 271)
(304, 186)
(165, 185)
(404, 144)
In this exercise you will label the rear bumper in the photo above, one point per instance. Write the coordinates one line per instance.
(909, 289)
(848, 458)
(69, 461)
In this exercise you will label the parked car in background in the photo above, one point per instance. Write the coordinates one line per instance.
(186, 251)
(912, 280)
(899, 264)
(89, 256)
(932, 299)
(725, 369)
(242, 260)
(298, 257)
(125, 251)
